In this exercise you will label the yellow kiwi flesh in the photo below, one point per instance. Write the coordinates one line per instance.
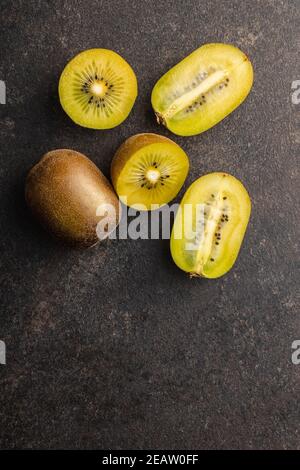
(148, 171)
(202, 89)
(66, 192)
(206, 243)
(97, 89)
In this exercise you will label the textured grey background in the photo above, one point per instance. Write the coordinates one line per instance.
(115, 347)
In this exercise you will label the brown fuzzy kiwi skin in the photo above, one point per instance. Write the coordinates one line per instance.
(131, 146)
(63, 191)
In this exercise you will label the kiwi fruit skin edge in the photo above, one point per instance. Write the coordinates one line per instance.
(133, 145)
(63, 191)
(200, 113)
(224, 227)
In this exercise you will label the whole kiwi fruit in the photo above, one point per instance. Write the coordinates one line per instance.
(69, 195)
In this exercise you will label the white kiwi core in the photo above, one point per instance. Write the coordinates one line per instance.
(152, 175)
(98, 89)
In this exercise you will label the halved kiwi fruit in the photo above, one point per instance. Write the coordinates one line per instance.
(210, 225)
(202, 89)
(148, 169)
(70, 197)
(97, 89)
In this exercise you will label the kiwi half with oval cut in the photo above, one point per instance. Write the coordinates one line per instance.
(148, 171)
(97, 89)
(210, 225)
(202, 89)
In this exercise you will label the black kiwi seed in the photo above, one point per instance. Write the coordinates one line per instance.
(212, 259)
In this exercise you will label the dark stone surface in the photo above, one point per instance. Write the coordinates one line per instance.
(114, 346)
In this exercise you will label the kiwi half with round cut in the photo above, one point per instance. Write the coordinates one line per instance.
(97, 89)
(148, 169)
(202, 89)
(210, 225)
